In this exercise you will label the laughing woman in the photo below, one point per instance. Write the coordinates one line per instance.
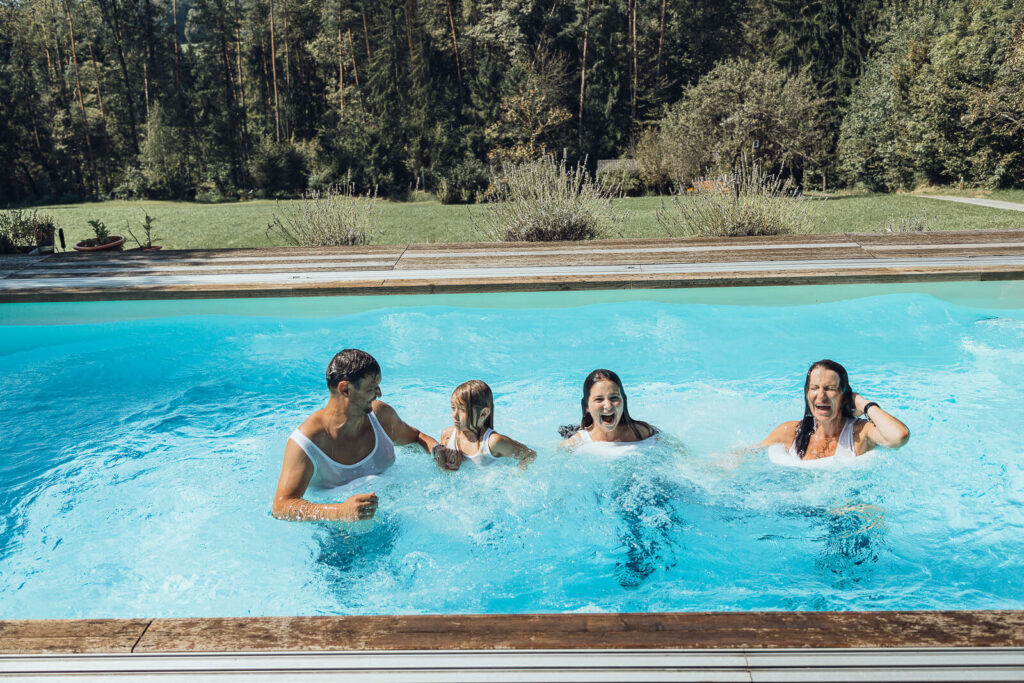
(830, 426)
(605, 414)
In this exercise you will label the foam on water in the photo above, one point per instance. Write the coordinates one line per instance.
(140, 457)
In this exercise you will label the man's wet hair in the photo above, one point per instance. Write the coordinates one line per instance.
(351, 365)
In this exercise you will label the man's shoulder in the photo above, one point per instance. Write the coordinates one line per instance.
(381, 409)
(313, 426)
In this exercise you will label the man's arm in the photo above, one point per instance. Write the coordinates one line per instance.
(289, 504)
(399, 432)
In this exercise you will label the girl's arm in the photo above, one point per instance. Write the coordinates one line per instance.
(503, 447)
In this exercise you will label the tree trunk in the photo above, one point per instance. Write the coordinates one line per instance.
(410, 11)
(238, 63)
(455, 42)
(81, 101)
(287, 51)
(583, 73)
(96, 74)
(636, 64)
(145, 86)
(110, 15)
(366, 36)
(352, 49)
(273, 71)
(341, 78)
(661, 38)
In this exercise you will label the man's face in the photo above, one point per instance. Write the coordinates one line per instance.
(362, 393)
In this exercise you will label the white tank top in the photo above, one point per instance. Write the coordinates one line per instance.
(482, 458)
(844, 448)
(328, 473)
(586, 438)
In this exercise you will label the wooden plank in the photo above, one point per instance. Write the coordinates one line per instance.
(947, 250)
(801, 238)
(70, 635)
(36, 274)
(540, 259)
(936, 237)
(754, 630)
(634, 280)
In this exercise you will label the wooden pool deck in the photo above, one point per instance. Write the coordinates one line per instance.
(767, 646)
(489, 267)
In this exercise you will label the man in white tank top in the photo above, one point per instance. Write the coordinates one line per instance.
(352, 437)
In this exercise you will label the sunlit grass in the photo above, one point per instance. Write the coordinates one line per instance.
(184, 225)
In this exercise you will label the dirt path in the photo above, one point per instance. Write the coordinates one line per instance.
(991, 203)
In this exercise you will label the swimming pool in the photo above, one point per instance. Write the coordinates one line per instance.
(143, 443)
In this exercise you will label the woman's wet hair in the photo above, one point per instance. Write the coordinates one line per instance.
(351, 365)
(586, 421)
(805, 428)
(474, 396)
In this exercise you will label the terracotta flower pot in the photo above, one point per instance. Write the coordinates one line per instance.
(116, 242)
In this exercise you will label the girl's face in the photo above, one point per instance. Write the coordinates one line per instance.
(462, 417)
(605, 404)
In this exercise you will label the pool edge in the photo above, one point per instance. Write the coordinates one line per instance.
(606, 631)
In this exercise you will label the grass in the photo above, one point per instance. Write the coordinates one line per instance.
(184, 225)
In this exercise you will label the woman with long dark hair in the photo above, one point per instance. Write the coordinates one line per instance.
(605, 414)
(830, 425)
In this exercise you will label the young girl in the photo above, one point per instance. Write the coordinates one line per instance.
(472, 436)
(605, 414)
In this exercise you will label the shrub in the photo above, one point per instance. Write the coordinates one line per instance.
(167, 167)
(147, 231)
(737, 106)
(621, 178)
(17, 230)
(278, 168)
(132, 185)
(21, 230)
(332, 218)
(746, 201)
(908, 223)
(545, 201)
(464, 184)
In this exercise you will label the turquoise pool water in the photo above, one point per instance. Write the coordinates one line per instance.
(142, 443)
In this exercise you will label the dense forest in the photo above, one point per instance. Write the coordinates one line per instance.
(218, 99)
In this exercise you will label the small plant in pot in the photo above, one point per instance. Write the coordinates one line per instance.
(102, 241)
(146, 244)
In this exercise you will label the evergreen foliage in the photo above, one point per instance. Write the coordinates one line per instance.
(219, 99)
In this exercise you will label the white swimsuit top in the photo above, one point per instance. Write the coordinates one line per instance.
(329, 473)
(844, 448)
(585, 439)
(482, 458)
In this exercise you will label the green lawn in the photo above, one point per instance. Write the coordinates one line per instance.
(183, 225)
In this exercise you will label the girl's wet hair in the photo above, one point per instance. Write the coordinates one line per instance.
(474, 396)
(586, 421)
(806, 426)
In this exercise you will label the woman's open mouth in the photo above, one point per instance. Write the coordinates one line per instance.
(608, 419)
